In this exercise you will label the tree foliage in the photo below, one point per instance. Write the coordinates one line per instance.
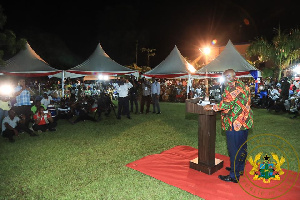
(9, 43)
(282, 50)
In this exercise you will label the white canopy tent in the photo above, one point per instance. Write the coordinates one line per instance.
(27, 63)
(174, 66)
(100, 63)
(229, 58)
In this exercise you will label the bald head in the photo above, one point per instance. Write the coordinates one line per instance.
(229, 75)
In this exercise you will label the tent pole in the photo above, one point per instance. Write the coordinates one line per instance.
(206, 85)
(63, 84)
(188, 86)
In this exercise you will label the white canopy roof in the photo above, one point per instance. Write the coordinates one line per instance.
(27, 63)
(175, 65)
(229, 58)
(100, 63)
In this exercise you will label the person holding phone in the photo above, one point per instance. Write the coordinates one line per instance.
(43, 121)
(23, 104)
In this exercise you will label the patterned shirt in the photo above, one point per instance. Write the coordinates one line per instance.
(235, 107)
(23, 98)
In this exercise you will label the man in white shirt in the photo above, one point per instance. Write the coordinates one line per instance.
(12, 124)
(155, 92)
(274, 94)
(123, 99)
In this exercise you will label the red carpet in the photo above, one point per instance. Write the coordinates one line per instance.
(172, 167)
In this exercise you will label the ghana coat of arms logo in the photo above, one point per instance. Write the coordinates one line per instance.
(266, 170)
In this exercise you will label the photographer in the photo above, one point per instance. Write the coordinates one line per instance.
(133, 95)
(43, 121)
(81, 109)
(104, 105)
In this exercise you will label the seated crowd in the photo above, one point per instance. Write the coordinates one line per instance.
(86, 102)
(43, 118)
(283, 95)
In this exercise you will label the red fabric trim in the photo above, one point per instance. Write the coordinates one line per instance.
(97, 73)
(219, 74)
(165, 75)
(31, 74)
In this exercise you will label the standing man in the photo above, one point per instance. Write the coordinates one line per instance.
(133, 95)
(23, 105)
(123, 99)
(155, 92)
(146, 95)
(285, 86)
(237, 119)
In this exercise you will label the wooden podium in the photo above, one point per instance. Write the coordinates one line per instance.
(206, 161)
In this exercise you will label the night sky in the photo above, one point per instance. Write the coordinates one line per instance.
(76, 27)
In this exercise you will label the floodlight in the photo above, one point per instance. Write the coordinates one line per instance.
(297, 69)
(222, 79)
(6, 90)
(103, 77)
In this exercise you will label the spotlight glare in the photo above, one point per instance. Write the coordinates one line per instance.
(221, 79)
(6, 90)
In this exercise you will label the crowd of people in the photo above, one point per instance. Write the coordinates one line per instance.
(24, 111)
(29, 111)
(282, 95)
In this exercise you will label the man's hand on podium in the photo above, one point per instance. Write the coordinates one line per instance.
(208, 107)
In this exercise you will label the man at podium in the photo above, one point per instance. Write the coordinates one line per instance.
(237, 119)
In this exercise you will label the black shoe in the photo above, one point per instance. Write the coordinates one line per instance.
(52, 129)
(229, 168)
(158, 113)
(153, 112)
(227, 179)
(128, 117)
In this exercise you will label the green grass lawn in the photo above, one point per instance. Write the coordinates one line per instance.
(87, 160)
